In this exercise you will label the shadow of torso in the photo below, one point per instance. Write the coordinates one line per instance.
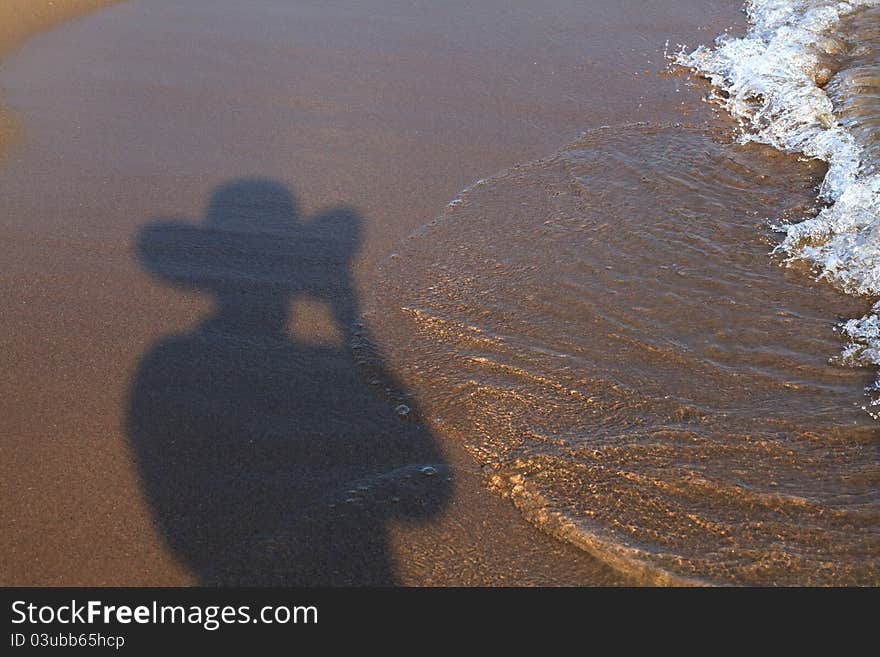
(265, 460)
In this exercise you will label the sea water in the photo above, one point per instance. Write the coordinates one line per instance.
(634, 335)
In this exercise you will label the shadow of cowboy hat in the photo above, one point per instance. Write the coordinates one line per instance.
(252, 235)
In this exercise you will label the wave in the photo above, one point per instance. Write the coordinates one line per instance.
(603, 332)
(805, 78)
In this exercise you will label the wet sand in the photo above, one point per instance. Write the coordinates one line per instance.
(140, 113)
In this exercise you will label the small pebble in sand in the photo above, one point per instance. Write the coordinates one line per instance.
(822, 76)
(428, 470)
(403, 410)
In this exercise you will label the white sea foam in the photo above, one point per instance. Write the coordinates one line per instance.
(771, 80)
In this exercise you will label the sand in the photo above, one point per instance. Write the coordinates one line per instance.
(20, 19)
(390, 117)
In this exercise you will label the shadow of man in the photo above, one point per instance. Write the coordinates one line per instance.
(268, 460)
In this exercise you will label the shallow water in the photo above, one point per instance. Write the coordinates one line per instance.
(804, 79)
(855, 88)
(605, 331)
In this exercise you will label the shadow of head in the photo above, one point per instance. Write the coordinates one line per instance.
(254, 251)
(267, 460)
(253, 205)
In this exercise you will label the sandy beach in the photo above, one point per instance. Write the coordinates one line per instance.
(197, 201)
(72, 499)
